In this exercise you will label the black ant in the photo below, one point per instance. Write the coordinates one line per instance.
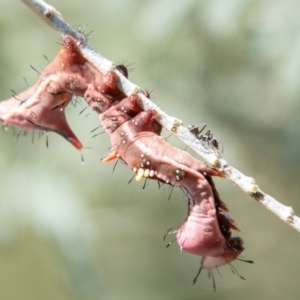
(207, 137)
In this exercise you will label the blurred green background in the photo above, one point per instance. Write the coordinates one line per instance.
(72, 231)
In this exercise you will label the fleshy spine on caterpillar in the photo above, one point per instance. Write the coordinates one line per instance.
(42, 107)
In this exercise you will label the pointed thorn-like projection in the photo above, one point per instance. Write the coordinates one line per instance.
(42, 107)
(111, 156)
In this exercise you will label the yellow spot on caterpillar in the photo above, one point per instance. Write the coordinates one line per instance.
(146, 173)
(139, 175)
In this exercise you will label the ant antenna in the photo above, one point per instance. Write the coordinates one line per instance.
(203, 127)
(194, 129)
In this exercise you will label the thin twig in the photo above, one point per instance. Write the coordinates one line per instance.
(54, 19)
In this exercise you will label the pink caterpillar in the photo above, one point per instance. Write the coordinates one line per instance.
(135, 139)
